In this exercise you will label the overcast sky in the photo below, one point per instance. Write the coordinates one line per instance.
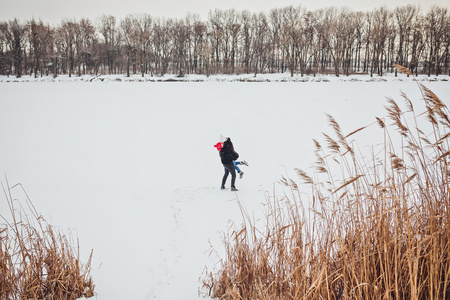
(53, 11)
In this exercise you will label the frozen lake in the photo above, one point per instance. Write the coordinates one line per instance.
(130, 167)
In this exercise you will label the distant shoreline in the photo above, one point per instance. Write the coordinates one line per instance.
(278, 77)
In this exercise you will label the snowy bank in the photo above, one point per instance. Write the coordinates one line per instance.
(278, 77)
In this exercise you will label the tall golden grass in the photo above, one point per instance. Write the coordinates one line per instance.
(38, 261)
(375, 228)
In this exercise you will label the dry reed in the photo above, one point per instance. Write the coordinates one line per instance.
(38, 261)
(376, 228)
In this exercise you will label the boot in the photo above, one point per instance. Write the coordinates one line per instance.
(241, 174)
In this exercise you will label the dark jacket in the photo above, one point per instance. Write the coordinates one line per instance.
(227, 153)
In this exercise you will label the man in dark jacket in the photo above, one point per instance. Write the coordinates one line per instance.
(227, 155)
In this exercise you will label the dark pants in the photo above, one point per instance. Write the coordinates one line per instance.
(229, 169)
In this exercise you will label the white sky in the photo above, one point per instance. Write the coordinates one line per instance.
(53, 11)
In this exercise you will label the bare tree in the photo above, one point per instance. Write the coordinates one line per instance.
(142, 29)
(246, 40)
(14, 34)
(417, 43)
(367, 39)
(66, 38)
(275, 33)
(189, 59)
(404, 17)
(232, 29)
(314, 40)
(163, 44)
(334, 35)
(382, 20)
(359, 33)
(88, 42)
(436, 22)
(78, 36)
(180, 44)
(216, 35)
(111, 40)
(199, 44)
(5, 57)
(126, 26)
(308, 40)
(260, 47)
(446, 60)
(290, 35)
(40, 41)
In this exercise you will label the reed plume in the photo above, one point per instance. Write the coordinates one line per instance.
(38, 261)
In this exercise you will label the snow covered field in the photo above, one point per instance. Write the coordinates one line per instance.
(130, 167)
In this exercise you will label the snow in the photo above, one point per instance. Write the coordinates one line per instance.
(130, 167)
(275, 77)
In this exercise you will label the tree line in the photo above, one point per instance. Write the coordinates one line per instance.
(291, 39)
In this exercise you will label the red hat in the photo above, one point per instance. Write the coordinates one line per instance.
(218, 146)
